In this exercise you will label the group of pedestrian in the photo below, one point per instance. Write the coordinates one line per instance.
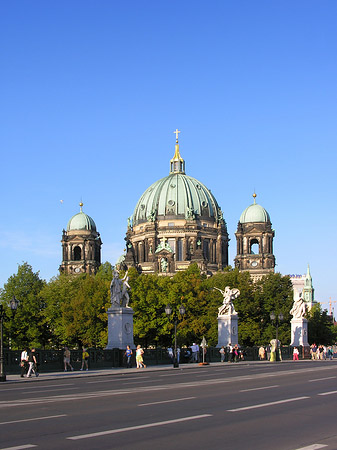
(28, 363)
(67, 357)
(232, 353)
(170, 352)
(321, 352)
(139, 357)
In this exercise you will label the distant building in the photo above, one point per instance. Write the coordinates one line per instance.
(303, 287)
(81, 245)
(254, 239)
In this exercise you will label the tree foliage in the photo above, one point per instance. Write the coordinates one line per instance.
(71, 309)
(321, 329)
(27, 326)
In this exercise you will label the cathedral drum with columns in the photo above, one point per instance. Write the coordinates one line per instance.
(177, 221)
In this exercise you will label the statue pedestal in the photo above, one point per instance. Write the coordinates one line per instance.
(120, 327)
(299, 332)
(227, 330)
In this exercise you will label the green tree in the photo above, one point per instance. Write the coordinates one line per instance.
(321, 329)
(76, 309)
(26, 328)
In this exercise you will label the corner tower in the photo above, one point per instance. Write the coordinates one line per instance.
(177, 221)
(254, 239)
(81, 245)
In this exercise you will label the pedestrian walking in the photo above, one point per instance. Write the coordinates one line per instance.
(295, 354)
(66, 359)
(170, 353)
(195, 352)
(85, 359)
(32, 363)
(139, 357)
(262, 353)
(128, 354)
(24, 362)
(222, 352)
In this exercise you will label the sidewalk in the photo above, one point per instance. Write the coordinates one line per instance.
(10, 378)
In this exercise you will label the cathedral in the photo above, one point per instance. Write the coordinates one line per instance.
(177, 221)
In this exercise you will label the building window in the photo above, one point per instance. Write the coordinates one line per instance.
(179, 255)
(204, 225)
(77, 253)
(206, 249)
(172, 244)
(171, 224)
(254, 247)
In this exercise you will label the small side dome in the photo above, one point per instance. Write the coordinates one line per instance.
(254, 213)
(81, 221)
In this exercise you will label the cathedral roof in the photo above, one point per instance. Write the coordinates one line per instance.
(254, 213)
(81, 221)
(176, 195)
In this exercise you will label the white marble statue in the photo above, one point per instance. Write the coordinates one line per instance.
(227, 308)
(299, 308)
(119, 290)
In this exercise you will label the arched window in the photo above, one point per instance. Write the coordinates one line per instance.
(254, 247)
(77, 253)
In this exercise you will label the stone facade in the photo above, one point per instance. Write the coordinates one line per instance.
(255, 248)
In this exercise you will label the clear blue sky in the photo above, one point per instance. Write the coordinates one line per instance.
(91, 93)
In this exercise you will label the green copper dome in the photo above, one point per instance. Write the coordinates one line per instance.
(81, 221)
(176, 196)
(254, 213)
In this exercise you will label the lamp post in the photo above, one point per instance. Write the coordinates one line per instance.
(279, 319)
(13, 304)
(177, 318)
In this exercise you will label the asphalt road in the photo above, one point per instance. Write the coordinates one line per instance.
(280, 406)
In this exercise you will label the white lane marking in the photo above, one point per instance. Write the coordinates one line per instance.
(36, 387)
(180, 373)
(34, 418)
(19, 447)
(312, 447)
(321, 379)
(260, 388)
(167, 401)
(112, 380)
(262, 405)
(138, 427)
(328, 393)
(179, 384)
(54, 390)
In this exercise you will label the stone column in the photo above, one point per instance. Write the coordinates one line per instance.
(120, 327)
(299, 332)
(227, 330)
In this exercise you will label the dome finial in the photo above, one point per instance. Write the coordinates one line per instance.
(177, 162)
(81, 205)
(254, 197)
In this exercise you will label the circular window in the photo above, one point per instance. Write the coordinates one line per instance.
(142, 207)
(204, 204)
(171, 202)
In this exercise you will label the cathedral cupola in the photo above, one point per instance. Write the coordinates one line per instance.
(177, 162)
(254, 239)
(81, 244)
(176, 221)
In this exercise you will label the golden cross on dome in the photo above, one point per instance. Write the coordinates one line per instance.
(176, 133)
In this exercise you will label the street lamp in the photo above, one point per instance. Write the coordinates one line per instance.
(177, 318)
(279, 319)
(13, 304)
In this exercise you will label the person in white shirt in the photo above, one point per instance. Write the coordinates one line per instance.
(24, 362)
